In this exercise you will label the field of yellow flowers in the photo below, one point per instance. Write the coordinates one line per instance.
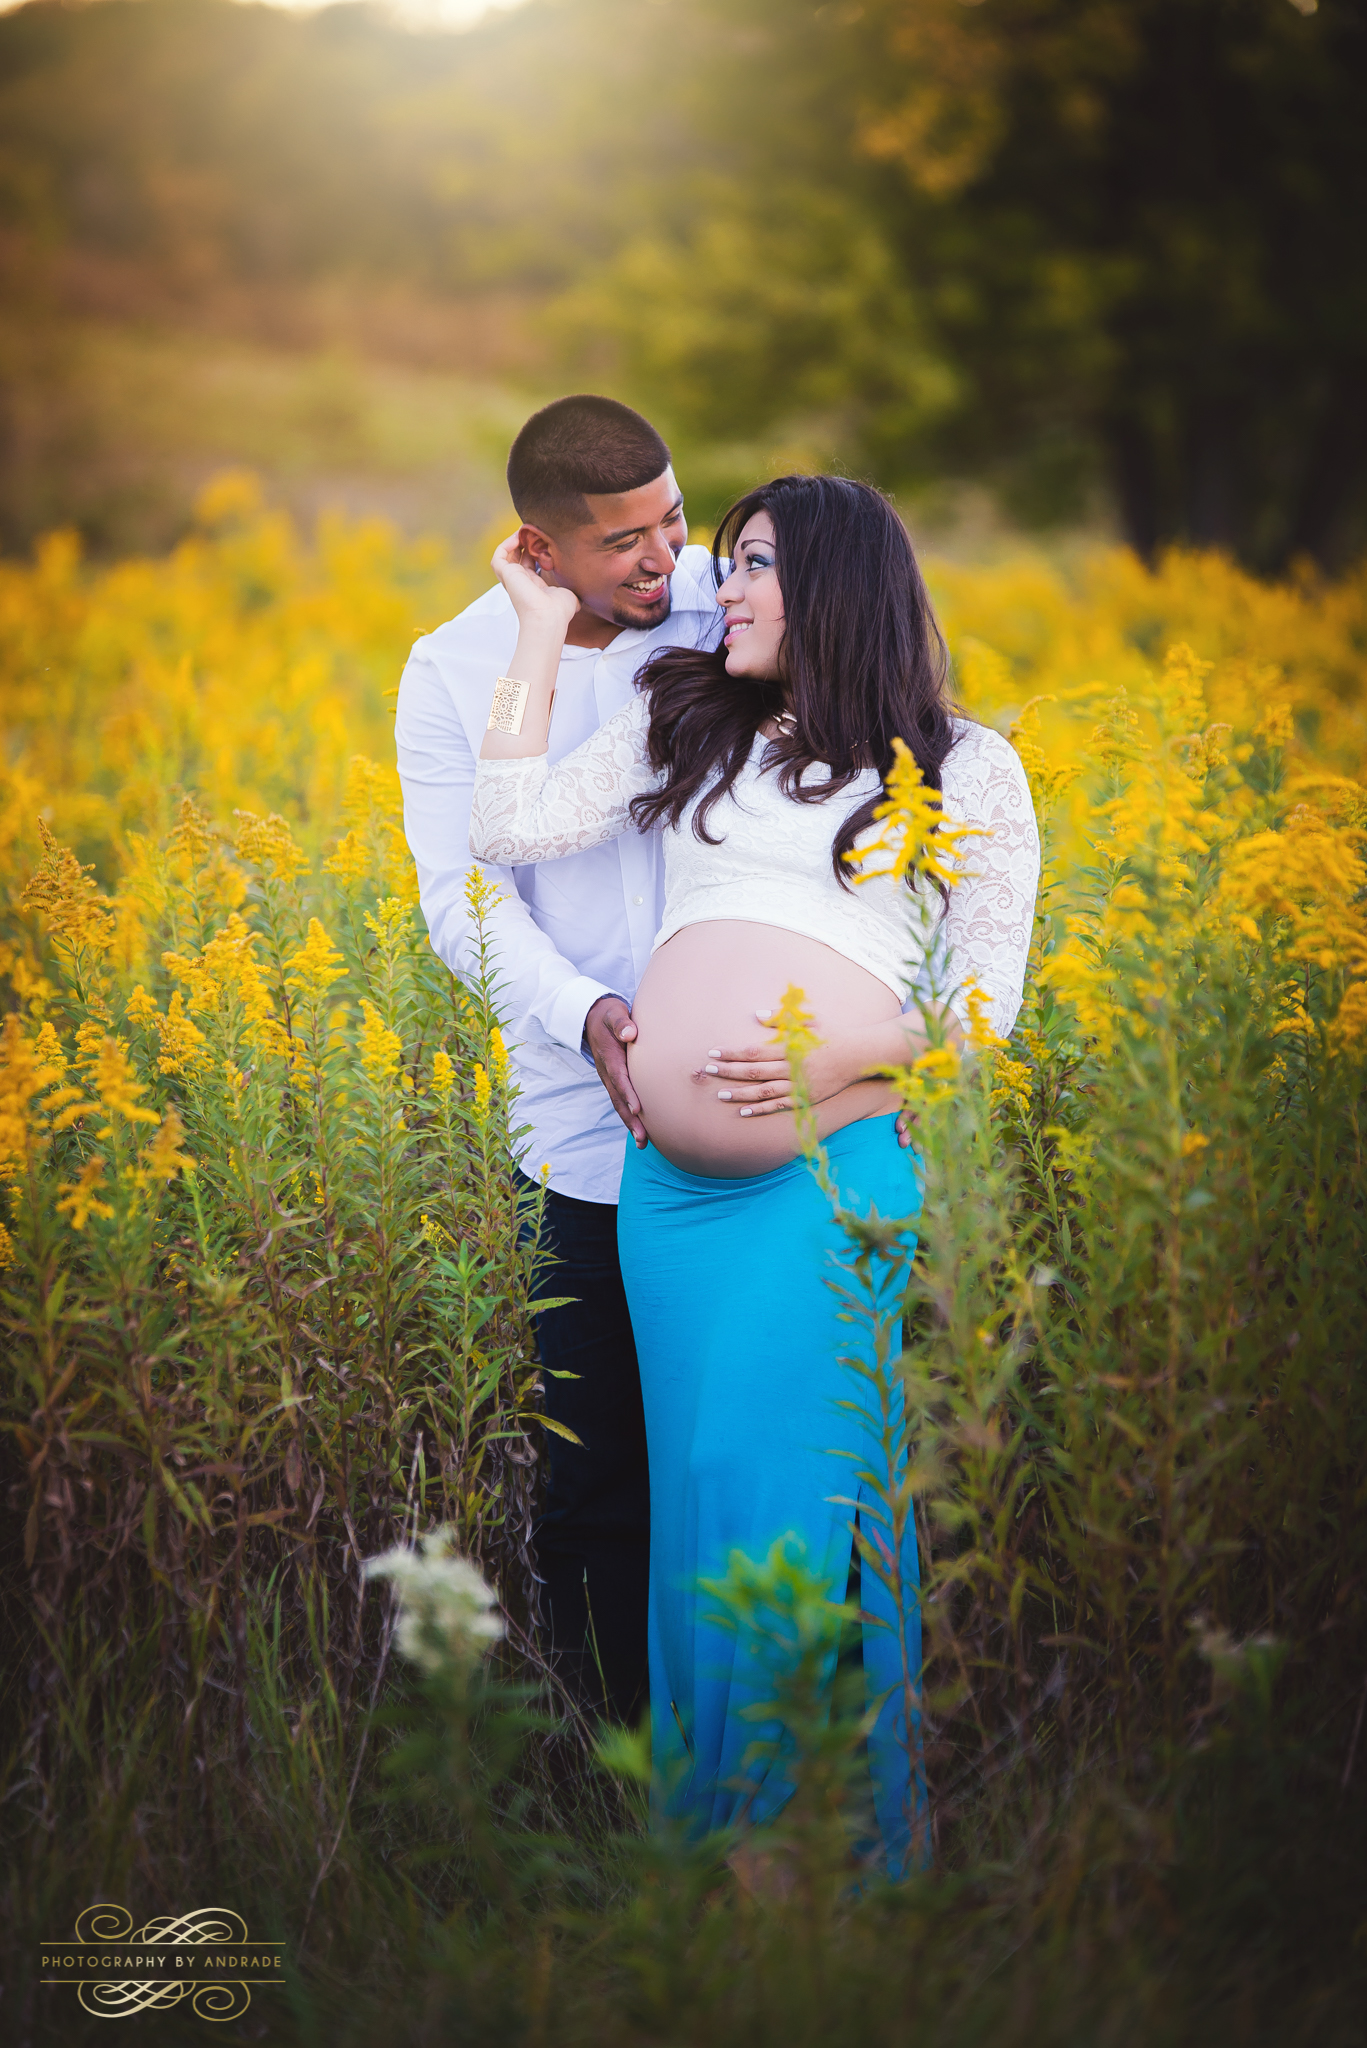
(267, 1265)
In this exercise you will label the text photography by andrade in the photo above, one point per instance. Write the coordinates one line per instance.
(683, 1010)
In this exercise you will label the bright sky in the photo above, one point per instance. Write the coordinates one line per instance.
(423, 13)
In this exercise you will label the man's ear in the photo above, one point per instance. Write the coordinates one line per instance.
(538, 545)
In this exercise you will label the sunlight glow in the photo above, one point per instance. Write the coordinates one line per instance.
(422, 14)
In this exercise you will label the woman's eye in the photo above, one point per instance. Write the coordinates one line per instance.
(761, 562)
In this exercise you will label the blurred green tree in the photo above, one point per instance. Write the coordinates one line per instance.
(1142, 219)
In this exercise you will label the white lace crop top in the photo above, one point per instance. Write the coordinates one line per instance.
(773, 862)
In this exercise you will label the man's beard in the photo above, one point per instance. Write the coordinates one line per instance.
(652, 615)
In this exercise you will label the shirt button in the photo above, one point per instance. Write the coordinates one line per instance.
(638, 899)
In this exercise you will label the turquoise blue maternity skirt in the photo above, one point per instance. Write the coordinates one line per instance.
(739, 1334)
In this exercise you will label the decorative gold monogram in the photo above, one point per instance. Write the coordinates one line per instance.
(146, 1969)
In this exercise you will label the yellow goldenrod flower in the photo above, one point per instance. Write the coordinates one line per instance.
(316, 964)
(1203, 752)
(182, 1041)
(351, 861)
(481, 895)
(118, 1087)
(1348, 1032)
(980, 1035)
(79, 1199)
(18, 959)
(1048, 780)
(163, 1158)
(443, 1073)
(381, 1048)
(930, 1078)
(6, 1248)
(192, 842)
(48, 1049)
(62, 892)
(1276, 725)
(498, 1057)
(140, 1008)
(792, 1024)
(917, 836)
(228, 967)
(1118, 739)
(1180, 692)
(231, 498)
(937, 1063)
(228, 970)
(400, 874)
(270, 846)
(90, 1038)
(229, 959)
(201, 985)
(391, 916)
(25, 1078)
(482, 1091)
(1012, 1082)
(369, 789)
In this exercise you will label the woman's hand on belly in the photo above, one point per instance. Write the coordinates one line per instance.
(759, 1078)
(704, 988)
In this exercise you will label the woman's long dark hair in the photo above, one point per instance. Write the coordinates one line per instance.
(863, 664)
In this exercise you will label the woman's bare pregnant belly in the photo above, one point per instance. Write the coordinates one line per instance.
(702, 989)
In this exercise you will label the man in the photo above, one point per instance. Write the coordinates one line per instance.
(602, 515)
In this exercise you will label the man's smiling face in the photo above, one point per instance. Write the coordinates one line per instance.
(620, 562)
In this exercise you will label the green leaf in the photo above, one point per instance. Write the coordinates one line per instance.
(558, 1429)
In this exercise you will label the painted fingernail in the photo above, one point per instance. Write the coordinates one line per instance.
(714, 1052)
(723, 1095)
(714, 1070)
(747, 1112)
(764, 1013)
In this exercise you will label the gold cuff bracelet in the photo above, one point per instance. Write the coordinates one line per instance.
(509, 706)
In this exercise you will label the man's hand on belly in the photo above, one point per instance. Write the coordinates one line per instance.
(608, 1031)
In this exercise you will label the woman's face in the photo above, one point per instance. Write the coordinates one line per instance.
(753, 604)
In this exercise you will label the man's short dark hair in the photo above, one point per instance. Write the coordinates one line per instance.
(577, 448)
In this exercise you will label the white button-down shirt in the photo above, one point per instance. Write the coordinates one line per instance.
(567, 931)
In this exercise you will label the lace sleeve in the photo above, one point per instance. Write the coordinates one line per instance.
(526, 811)
(992, 912)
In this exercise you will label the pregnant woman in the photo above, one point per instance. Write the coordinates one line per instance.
(764, 761)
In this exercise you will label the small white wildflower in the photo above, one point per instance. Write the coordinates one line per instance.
(446, 1609)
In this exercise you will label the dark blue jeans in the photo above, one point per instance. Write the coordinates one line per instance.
(593, 1537)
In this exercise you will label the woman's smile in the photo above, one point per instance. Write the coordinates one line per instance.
(754, 636)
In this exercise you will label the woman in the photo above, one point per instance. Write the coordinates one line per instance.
(764, 761)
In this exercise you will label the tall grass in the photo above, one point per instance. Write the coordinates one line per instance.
(268, 1268)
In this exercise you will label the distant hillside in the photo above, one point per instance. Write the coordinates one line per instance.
(207, 146)
(1084, 254)
(234, 234)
